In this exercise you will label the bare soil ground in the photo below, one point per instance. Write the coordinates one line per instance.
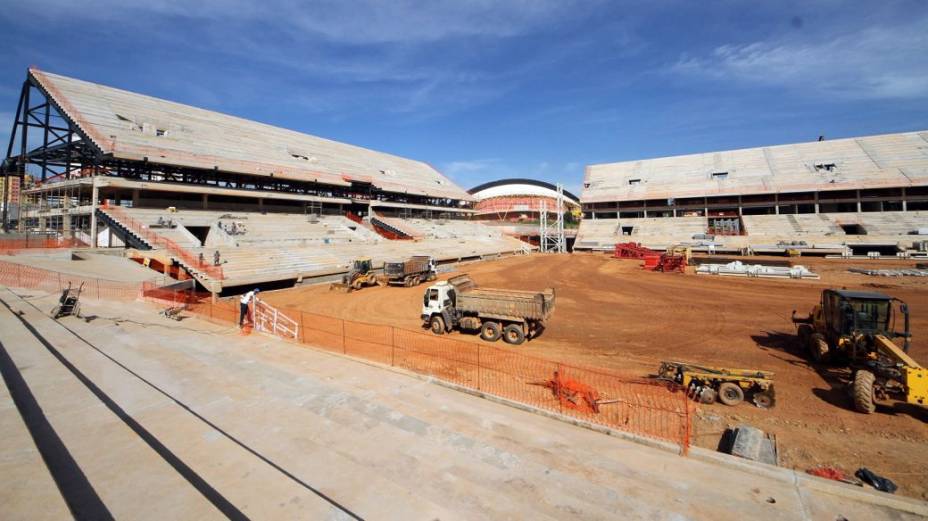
(612, 314)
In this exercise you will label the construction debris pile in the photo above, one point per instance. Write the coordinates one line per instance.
(739, 269)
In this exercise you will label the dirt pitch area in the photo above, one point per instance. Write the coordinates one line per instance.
(612, 314)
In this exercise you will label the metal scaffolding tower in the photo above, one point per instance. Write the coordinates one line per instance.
(552, 235)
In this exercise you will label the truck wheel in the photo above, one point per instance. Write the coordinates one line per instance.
(490, 331)
(730, 393)
(416, 280)
(818, 347)
(513, 334)
(863, 392)
(437, 325)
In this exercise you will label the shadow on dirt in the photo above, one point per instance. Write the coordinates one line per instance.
(835, 375)
(775, 342)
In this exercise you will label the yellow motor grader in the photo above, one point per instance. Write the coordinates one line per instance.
(858, 329)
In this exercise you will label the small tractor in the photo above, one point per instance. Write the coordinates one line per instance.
(730, 386)
(361, 274)
(858, 329)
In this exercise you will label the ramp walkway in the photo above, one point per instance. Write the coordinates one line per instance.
(160, 420)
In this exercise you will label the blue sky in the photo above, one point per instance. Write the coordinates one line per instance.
(486, 89)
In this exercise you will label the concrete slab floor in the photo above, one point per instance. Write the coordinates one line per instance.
(191, 420)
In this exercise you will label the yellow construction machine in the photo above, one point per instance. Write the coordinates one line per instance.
(359, 275)
(730, 386)
(858, 329)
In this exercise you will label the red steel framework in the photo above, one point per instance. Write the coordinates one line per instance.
(632, 250)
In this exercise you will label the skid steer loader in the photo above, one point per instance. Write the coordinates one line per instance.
(857, 329)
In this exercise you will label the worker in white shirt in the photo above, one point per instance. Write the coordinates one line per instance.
(243, 305)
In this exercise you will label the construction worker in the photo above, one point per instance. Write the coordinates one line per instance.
(243, 306)
(216, 258)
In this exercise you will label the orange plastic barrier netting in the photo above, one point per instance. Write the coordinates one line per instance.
(12, 246)
(637, 406)
(20, 276)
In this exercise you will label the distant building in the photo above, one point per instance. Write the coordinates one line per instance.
(12, 199)
(519, 200)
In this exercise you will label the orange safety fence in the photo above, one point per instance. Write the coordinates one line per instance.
(21, 276)
(643, 407)
(157, 240)
(11, 245)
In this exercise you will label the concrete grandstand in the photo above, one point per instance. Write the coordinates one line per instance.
(120, 169)
(867, 193)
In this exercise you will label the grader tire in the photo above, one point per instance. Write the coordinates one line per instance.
(730, 394)
(862, 392)
(818, 348)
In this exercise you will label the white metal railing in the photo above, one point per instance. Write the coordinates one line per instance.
(269, 320)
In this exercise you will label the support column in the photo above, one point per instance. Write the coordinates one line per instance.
(858, 201)
(816, 202)
(206, 201)
(5, 199)
(135, 197)
(904, 205)
(66, 217)
(93, 213)
(776, 204)
(260, 204)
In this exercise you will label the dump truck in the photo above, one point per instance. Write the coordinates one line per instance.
(512, 315)
(410, 272)
(856, 329)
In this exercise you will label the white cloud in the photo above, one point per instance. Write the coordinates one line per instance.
(411, 59)
(472, 166)
(355, 22)
(876, 62)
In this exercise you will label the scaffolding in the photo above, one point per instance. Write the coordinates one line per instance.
(552, 235)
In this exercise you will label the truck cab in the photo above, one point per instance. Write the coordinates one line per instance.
(437, 306)
(431, 266)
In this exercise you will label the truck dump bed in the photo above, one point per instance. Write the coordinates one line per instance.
(417, 264)
(529, 305)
